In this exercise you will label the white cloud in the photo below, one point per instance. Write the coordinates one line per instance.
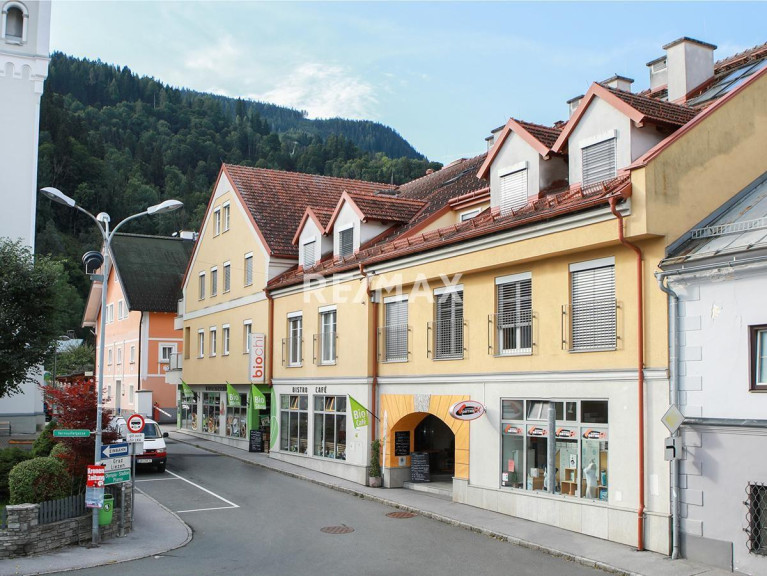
(220, 58)
(324, 92)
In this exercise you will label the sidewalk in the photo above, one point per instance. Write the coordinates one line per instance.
(585, 550)
(156, 530)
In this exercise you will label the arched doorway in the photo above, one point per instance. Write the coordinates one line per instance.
(434, 437)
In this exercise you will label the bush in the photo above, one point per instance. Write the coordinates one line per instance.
(8, 459)
(60, 451)
(375, 459)
(45, 442)
(38, 480)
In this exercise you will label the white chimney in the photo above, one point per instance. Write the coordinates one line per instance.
(573, 103)
(658, 73)
(619, 82)
(690, 63)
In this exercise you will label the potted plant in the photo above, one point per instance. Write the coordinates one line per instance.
(374, 472)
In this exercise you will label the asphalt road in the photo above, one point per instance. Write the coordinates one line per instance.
(251, 521)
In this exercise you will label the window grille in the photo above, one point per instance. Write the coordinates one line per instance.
(599, 162)
(514, 318)
(756, 518)
(593, 313)
(448, 327)
(513, 191)
(309, 256)
(346, 242)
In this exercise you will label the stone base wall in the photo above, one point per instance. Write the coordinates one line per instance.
(24, 536)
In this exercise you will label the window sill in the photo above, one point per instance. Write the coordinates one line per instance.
(395, 361)
(294, 365)
(225, 354)
(582, 350)
(520, 352)
(446, 358)
(333, 363)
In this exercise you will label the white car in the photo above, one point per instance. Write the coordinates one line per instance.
(155, 453)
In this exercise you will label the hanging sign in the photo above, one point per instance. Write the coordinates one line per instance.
(359, 413)
(257, 358)
(232, 396)
(467, 410)
(259, 400)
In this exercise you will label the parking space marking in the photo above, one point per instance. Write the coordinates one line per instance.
(231, 504)
(156, 480)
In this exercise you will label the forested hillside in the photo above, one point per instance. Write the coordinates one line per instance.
(117, 143)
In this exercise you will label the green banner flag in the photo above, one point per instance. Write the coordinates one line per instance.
(259, 400)
(232, 396)
(359, 413)
(186, 390)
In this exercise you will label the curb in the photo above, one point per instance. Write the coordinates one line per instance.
(583, 561)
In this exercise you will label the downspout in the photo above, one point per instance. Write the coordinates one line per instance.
(640, 368)
(270, 339)
(374, 369)
(673, 376)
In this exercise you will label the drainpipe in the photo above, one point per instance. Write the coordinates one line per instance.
(374, 370)
(640, 368)
(270, 339)
(673, 365)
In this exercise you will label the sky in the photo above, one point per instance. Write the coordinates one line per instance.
(442, 74)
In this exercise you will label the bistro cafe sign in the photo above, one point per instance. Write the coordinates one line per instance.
(466, 410)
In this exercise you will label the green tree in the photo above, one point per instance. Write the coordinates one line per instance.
(29, 313)
(75, 359)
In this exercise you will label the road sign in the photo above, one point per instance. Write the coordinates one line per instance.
(117, 477)
(672, 419)
(113, 464)
(673, 449)
(131, 438)
(95, 477)
(135, 423)
(115, 450)
(74, 433)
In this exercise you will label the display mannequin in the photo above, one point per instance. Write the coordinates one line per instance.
(590, 475)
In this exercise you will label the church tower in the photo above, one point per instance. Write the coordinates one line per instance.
(24, 43)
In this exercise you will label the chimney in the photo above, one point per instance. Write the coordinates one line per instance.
(619, 82)
(573, 103)
(690, 63)
(658, 73)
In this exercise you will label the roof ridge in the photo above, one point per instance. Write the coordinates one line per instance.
(745, 54)
(556, 129)
(290, 173)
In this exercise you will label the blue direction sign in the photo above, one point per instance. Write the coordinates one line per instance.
(115, 450)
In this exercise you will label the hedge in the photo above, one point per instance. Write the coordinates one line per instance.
(38, 480)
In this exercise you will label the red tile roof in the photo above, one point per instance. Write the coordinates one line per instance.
(656, 110)
(571, 200)
(385, 208)
(741, 58)
(546, 135)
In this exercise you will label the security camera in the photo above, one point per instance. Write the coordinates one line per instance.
(92, 261)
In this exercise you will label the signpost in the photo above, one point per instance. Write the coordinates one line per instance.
(114, 464)
(74, 433)
(135, 423)
(117, 476)
(115, 450)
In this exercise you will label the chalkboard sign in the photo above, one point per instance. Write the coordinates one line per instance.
(419, 467)
(256, 441)
(402, 443)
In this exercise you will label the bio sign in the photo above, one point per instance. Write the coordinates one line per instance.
(467, 410)
(257, 358)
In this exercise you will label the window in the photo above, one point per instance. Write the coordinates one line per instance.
(14, 19)
(211, 412)
(599, 161)
(592, 292)
(188, 410)
(581, 446)
(217, 221)
(120, 310)
(758, 363)
(213, 342)
(295, 340)
(346, 242)
(249, 269)
(119, 355)
(226, 217)
(166, 350)
(514, 315)
(202, 286)
(237, 418)
(328, 337)
(200, 343)
(448, 324)
(756, 518)
(131, 394)
(294, 423)
(309, 254)
(469, 215)
(213, 281)
(247, 328)
(133, 354)
(110, 313)
(330, 427)
(513, 190)
(395, 330)
(109, 357)
(225, 339)
(227, 277)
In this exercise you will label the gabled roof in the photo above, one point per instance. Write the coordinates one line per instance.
(150, 270)
(319, 216)
(277, 200)
(540, 138)
(380, 208)
(637, 107)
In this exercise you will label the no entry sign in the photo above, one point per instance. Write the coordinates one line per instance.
(135, 423)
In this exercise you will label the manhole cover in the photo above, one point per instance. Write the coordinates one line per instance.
(400, 514)
(336, 529)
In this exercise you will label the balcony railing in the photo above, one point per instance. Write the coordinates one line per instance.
(394, 343)
(325, 348)
(510, 333)
(176, 361)
(292, 351)
(445, 339)
(590, 326)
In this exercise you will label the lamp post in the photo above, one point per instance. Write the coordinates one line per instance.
(102, 223)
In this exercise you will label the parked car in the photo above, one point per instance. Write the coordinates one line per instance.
(155, 452)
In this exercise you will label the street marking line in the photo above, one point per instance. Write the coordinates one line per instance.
(231, 504)
(156, 480)
(206, 509)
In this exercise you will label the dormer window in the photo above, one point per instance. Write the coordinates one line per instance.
(310, 254)
(599, 161)
(513, 188)
(346, 242)
(14, 23)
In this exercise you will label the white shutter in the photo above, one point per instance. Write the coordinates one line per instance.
(593, 308)
(514, 320)
(396, 331)
(346, 242)
(513, 191)
(309, 257)
(599, 162)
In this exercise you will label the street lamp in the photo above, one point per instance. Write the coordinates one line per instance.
(102, 222)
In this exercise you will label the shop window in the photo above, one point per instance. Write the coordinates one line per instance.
(211, 412)
(237, 418)
(758, 357)
(581, 446)
(330, 427)
(514, 315)
(294, 423)
(395, 330)
(188, 411)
